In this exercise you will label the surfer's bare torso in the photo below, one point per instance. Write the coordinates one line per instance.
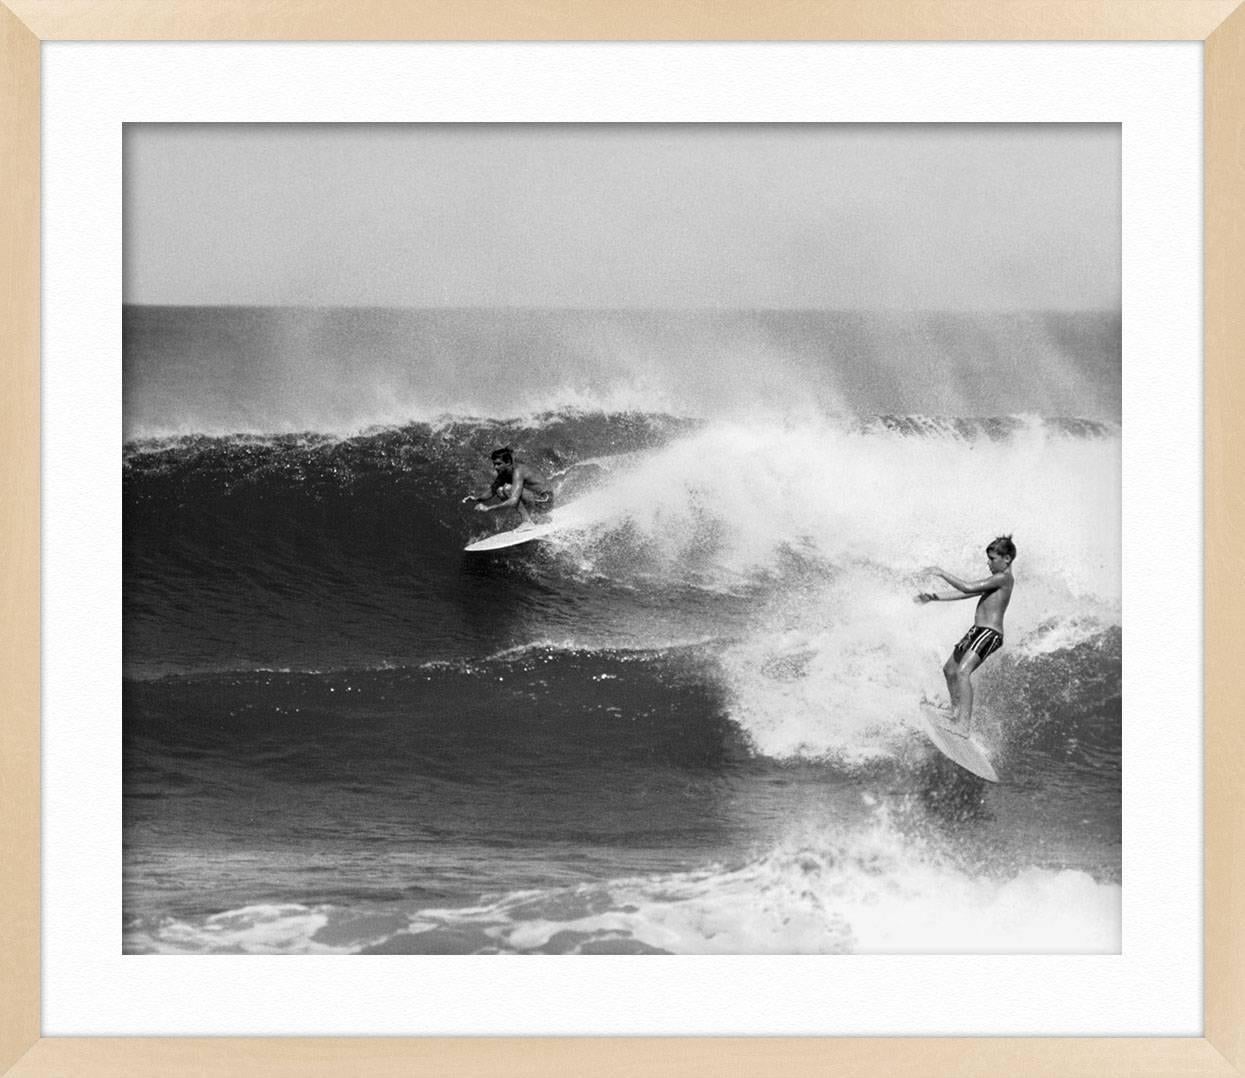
(993, 603)
(993, 592)
(524, 477)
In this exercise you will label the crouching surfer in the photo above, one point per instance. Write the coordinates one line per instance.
(985, 637)
(519, 485)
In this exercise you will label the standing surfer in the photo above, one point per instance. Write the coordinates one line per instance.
(986, 635)
(519, 484)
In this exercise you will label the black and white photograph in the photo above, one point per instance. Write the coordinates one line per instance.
(621, 539)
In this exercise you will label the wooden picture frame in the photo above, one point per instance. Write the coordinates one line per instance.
(25, 24)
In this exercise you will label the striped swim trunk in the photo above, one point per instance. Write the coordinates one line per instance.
(981, 639)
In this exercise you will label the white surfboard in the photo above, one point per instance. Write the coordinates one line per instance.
(573, 516)
(955, 746)
(513, 538)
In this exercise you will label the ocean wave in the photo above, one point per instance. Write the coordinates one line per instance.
(686, 531)
(850, 714)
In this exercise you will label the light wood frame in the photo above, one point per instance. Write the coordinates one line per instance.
(1219, 24)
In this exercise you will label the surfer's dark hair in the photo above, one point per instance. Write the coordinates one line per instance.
(504, 454)
(1003, 545)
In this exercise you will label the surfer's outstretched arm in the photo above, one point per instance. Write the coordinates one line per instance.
(975, 587)
(495, 491)
(943, 597)
(492, 493)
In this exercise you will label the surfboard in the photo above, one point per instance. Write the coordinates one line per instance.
(514, 537)
(956, 747)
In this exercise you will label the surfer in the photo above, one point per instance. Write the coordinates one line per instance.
(986, 635)
(518, 484)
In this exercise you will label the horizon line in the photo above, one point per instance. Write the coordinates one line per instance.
(601, 309)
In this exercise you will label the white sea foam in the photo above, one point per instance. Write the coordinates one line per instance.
(868, 895)
(840, 523)
(873, 891)
(283, 928)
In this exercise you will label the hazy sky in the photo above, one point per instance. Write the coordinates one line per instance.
(894, 216)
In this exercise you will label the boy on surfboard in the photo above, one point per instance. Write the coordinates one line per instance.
(521, 487)
(986, 635)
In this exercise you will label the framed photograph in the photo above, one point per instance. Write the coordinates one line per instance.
(553, 449)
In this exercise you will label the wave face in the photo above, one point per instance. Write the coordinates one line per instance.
(311, 552)
(687, 725)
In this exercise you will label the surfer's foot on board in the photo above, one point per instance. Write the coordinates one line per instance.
(951, 722)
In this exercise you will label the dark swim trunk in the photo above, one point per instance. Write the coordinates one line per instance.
(542, 503)
(981, 639)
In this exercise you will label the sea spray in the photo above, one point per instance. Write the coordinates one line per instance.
(225, 371)
(743, 497)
